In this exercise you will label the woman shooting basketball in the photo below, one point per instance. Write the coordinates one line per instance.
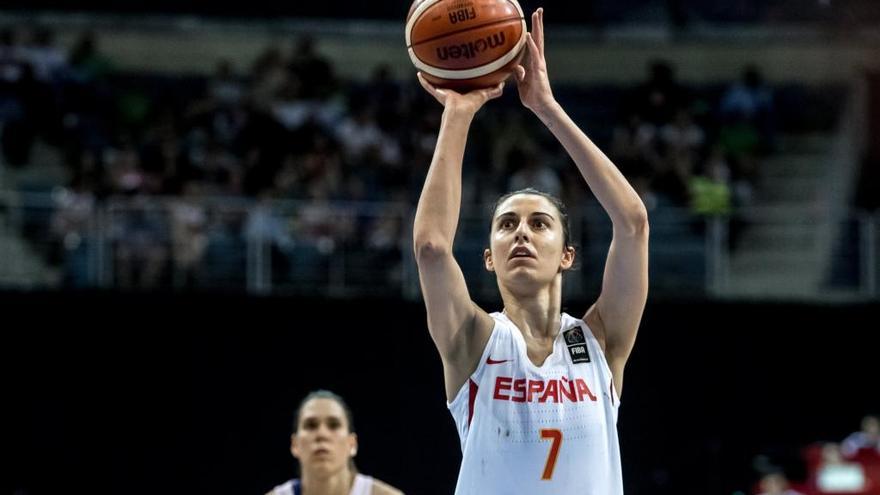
(534, 392)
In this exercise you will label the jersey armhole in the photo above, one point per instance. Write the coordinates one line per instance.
(463, 392)
(607, 368)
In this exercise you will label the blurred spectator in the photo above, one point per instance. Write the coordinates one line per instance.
(224, 88)
(24, 107)
(268, 77)
(776, 484)
(189, 238)
(140, 238)
(868, 438)
(11, 71)
(710, 194)
(750, 101)
(217, 169)
(314, 72)
(47, 60)
(123, 164)
(221, 113)
(360, 131)
(682, 139)
(634, 147)
(87, 63)
(268, 229)
(71, 225)
(658, 98)
(836, 475)
(532, 172)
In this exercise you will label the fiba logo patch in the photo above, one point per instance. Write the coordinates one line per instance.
(577, 345)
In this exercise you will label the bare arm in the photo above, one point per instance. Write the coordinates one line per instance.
(458, 327)
(616, 314)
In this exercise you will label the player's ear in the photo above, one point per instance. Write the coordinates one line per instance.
(294, 446)
(568, 255)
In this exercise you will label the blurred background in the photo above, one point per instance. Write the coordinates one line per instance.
(205, 212)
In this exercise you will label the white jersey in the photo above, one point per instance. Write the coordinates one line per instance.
(539, 430)
(363, 485)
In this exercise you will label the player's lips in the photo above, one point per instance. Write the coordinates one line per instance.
(321, 451)
(521, 252)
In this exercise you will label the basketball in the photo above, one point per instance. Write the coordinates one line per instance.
(465, 44)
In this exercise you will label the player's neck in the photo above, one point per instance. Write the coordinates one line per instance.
(336, 484)
(536, 315)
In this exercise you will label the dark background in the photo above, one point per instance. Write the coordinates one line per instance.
(193, 394)
(600, 12)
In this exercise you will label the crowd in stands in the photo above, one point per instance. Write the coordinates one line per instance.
(848, 467)
(288, 128)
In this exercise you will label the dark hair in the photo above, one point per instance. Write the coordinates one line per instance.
(324, 394)
(560, 206)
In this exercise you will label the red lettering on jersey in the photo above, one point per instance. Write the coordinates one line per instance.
(524, 390)
(502, 383)
(583, 389)
(535, 388)
(519, 386)
(552, 390)
(567, 389)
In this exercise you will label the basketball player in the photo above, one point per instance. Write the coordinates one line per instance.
(534, 392)
(324, 443)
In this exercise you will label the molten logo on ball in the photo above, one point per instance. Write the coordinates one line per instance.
(470, 50)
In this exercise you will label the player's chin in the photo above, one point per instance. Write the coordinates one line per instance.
(323, 464)
(521, 273)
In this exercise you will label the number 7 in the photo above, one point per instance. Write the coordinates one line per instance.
(556, 436)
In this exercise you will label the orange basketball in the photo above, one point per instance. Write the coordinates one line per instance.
(465, 44)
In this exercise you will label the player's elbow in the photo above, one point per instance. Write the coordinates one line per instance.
(427, 248)
(635, 221)
(640, 219)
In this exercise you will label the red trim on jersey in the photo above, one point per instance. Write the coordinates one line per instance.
(472, 399)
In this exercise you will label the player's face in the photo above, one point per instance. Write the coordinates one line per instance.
(871, 425)
(323, 444)
(527, 240)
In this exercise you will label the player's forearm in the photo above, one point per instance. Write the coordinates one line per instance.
(439, 204)
(615, 194)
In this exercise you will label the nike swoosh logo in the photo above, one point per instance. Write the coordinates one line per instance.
(489, 360)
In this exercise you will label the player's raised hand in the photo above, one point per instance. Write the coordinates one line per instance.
(531, 76)
(467, 102)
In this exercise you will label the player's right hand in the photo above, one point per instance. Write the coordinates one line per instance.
(470, 102)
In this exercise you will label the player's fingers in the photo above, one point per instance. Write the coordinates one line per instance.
(425, 84)
(436, 93)
(520, 73)
(538, 28)
(496, 91)
(534, 52)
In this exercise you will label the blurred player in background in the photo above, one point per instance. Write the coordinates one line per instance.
(325, 444)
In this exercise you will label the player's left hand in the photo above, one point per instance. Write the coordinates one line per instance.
(531, 76)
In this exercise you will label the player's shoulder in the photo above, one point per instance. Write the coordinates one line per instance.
(286, 488)
(382, 488)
